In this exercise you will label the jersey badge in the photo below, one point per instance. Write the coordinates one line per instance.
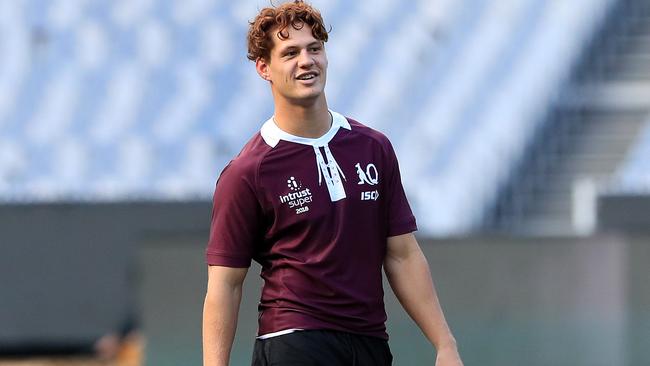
(298, 197)
(369, 176)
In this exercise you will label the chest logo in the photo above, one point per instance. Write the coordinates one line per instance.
(369, 176)
(297, 198)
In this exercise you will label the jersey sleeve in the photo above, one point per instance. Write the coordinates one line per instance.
(236, 218)
(400, 217)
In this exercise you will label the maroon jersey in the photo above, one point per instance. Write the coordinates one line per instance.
(315, 213)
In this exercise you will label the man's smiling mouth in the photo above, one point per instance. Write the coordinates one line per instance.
(307, 76)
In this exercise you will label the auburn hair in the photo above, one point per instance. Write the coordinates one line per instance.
(273, 21)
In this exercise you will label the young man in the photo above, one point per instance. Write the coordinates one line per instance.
(317, 200)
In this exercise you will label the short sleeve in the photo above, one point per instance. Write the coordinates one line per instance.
(236, 218)
(399, 215)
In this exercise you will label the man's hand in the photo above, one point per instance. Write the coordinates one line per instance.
(448, 356)
(408, 273)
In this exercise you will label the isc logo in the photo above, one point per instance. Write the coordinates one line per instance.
(370, 195)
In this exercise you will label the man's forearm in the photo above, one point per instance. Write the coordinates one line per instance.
(411, 281)
(220, 312)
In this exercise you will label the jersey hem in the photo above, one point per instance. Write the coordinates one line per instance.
(278, 333)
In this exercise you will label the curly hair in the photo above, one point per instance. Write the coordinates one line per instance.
(275, 20)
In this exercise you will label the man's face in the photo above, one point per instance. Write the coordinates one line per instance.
(297, 68)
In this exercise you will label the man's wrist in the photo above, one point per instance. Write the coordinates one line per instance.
(447, 344)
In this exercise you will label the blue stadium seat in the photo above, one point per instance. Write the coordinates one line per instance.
(143, 99)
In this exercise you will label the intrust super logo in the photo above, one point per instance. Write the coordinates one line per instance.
(299, 198)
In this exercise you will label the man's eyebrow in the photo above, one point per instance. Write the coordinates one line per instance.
(295, 47)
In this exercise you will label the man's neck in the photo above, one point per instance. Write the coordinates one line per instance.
(311, 121)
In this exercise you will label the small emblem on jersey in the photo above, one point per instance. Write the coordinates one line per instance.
(298, 198)
(293, 185)
(369, 175)
(370, 195)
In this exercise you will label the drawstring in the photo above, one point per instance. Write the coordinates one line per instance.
(332, 173)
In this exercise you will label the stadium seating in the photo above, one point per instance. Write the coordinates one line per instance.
(144, 99)
(633, 177)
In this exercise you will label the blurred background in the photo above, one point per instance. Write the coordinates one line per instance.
(523, 133)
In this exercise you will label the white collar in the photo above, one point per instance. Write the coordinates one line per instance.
(272, 134)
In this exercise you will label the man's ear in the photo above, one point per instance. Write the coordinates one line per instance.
(262, 67)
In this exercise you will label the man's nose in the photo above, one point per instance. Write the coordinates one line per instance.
(305, 59)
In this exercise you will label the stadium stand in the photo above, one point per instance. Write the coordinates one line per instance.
(579, 153)
(148, 100)
(633, 176)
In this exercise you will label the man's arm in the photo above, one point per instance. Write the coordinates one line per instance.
(409, 277)
(220, 312)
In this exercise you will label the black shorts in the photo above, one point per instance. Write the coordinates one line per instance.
(321, 348)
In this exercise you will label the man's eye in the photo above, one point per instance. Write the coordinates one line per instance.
(315, 49)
